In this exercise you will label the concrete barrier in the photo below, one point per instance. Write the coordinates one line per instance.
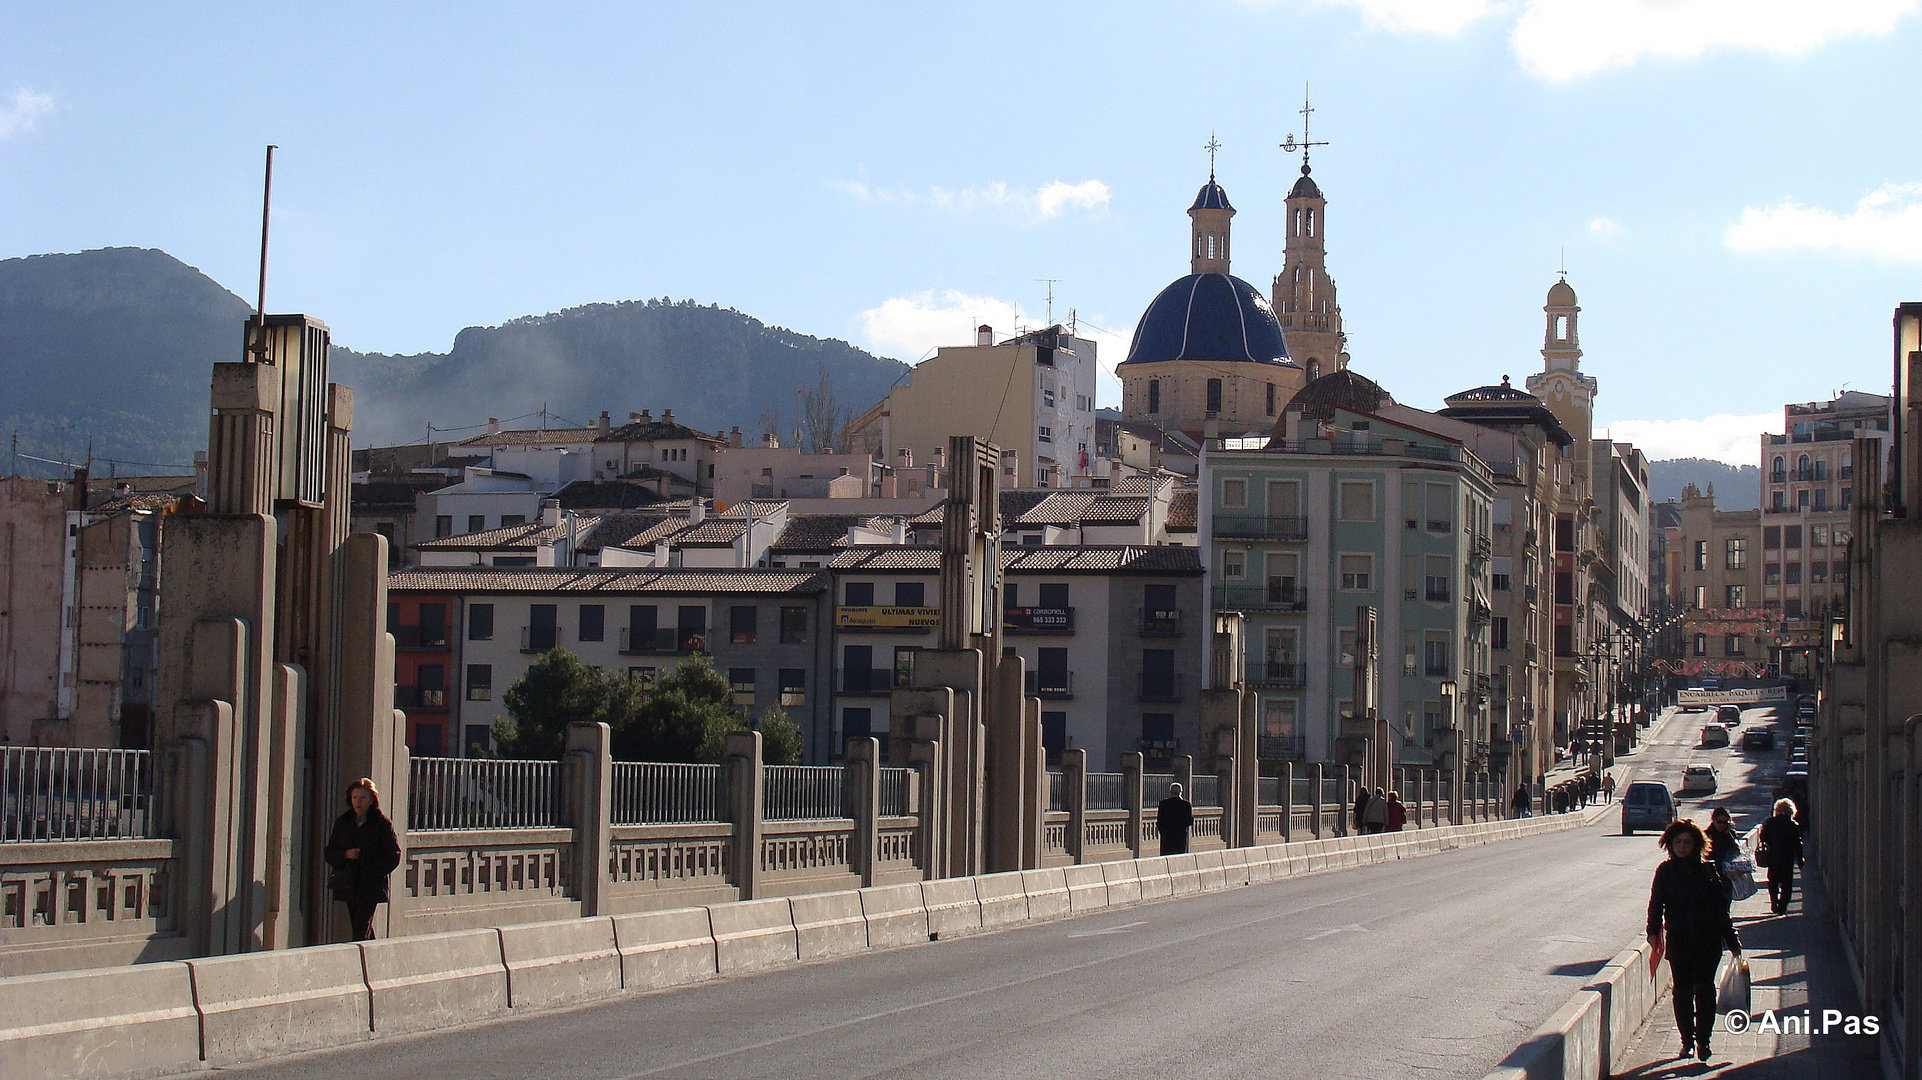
(1629, 992)
(953, 907)
(1157, 881)
(101, 1023)
(1124, 881)
(1087, 887)
(1184, 874)
(896, 915)
(435, 980)
(1235, 867)
(665, 948)
(1047, 893)
(828, 924)
(752, 934)
(1003, 898)
(256, 1005)
(558, 963)
(1568, 1046)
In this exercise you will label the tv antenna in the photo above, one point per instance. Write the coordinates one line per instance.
(259, 345)
(1051, 283)
(1290, 145)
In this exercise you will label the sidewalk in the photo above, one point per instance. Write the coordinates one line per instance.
(1795, 966)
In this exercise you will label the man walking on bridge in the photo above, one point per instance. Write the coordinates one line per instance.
(1173, 816)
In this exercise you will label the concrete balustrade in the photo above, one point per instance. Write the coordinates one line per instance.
(258, 1005)
(559, 963)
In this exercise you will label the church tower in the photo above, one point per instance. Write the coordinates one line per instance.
(1304, 294)
(1568, 393)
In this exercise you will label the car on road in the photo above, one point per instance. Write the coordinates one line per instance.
(1714, 735)
(1805, 709)
(1694, 706)
(1698, 779)
(1646, 805)
(1758, 738)
(1729, 714)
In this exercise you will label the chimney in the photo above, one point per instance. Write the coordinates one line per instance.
(635, 418)
(606, 423)
(984, 334)
(550, 513)
(493, 425)
(906, 455)
(646, 417)
(696, 510)
(734, 437)
(667, 416)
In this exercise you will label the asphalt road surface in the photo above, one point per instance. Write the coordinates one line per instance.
(1428, 967)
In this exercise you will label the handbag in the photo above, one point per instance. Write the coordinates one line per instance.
(1731, 989)
(341, 881)
(1762, 855)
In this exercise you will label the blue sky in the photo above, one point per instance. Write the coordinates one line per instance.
(1737, 184)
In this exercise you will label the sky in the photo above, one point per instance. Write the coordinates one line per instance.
(1733, 186)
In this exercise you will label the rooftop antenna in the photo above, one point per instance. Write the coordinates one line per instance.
(1212, 146)
(1564, 270)
(1051, 281)
(259, 347)
(1290, 146)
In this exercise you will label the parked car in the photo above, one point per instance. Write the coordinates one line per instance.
(1694, 706)
(1646, 805)
(1729, 714)
(1698, 779)
(1714, 735)
(1758, 738)
(1805, 709)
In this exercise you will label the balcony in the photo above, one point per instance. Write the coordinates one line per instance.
(1242, 527)
(1161, 688)
(1480, 613)
(1260, 598)
(1057, 622)
(1160, 623)
(1436, 594)
(413, 637)
(1532, 539)
(414, 699)
(657, 641)
(1277, 673)
(1483, 548)
(1779, 478)
(1054, 685)
(1532, 593)
(539, 639)
(1281, 747)
(1435, 526)
(857, 682)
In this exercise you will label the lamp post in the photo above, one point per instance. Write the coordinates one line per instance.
(1454, 751)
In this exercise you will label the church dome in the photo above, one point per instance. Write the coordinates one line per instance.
(1561, 295)
(1305, 187)
(1211, 197)
(1209, 317)
(1343, 389)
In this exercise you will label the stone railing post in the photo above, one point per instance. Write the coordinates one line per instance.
(1343, 825)
(862, 776)
(589, 764)
(1287, 801)
(925, 756)
(1320, 778)
(1074, 777)
(745, 799)
(1184, 770)
(1131, 798)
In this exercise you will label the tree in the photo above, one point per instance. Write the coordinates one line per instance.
(557, 690)
(822, 415)
(781, 740)
(685, 718)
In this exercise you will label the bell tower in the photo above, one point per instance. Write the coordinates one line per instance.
(1303, 293)
(1209, 220)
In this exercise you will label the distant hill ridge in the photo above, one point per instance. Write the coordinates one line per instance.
(1737, 487)
(114, 344)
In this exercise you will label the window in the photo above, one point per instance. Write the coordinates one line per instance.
(1821, 469)
(1357, 500)
(1054, 735)
(1434, 658)
(480, 682)
(1792, 536)
(1051, 672)
(1440, 508)
(1047, 397)
(1792, 607)
(1772, 538)
(1698, 597)
(1776, 500)
(1271, 399)
(1733, 645)
(742, 624)
(1734, 597)
(542, 628)
(1839, 572)
(1818, 536)
(1845, 497)
(1154, 395)
(910, 594)
(1701, 554)
(1044, 434)
(1701, 644)
(1564, 533)
(1435, 580)
(1564, 641)
(859, 594)
(1818, 573)
(1234, 494)
(1500, 576)
(1792, 573)
(593, 622)
(1055, 595)
(1821, 498)
(1356, 571)
(510, 520)
(643, 678)
(443, 525)
(1802, 500)
(1772, 573)
(1214, 396)
(476, 522)
(740, 682)
(1157, 736)
(1735, 553)
(433, 624)
(1564, 587)
(1498, 634)
(1284, 499)
(691, 628)
(859, 724)
(1234, 564)
(1158, 674)
(794, 625)
(1345, 646)
(794, 687)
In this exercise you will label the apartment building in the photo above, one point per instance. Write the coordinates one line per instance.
(1808, 493)
(1715, 571)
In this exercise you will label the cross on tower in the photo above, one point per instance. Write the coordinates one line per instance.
(1291, 145)
(1212, 146)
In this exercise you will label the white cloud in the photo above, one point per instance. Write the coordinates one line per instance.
(1605, 228)
(912, 327)
(1886, 223)
(1561, 40)
(19, 113)
(1722, 437)
(1049, 202)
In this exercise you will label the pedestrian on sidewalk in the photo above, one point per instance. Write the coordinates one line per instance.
(1608, 786)
(1397, 813)
(1173, 817)
(1779, 848)
(1521, 802)
(1362, 799)
(362, 851)
(1376, 813)
(1688, 916)
(1723, 844)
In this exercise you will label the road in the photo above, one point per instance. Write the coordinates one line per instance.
(1428, 967)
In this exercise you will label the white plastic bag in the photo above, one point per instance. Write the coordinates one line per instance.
(1741, 885)
(1731, 988)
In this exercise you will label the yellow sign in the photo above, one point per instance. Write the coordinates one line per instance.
(888, 618)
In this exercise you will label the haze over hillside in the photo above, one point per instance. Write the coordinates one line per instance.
(114, 345)
(1737, 487)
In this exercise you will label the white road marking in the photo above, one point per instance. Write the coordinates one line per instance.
(1351, 928)
(1122, 929)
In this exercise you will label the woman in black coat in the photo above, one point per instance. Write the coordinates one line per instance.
(1688, 915)
(1779, 848)
(362, 851)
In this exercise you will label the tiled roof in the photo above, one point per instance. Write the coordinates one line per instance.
(606, 495)
(1114, 509)
(395, 494)
(511, 537)
(1058, 508)
(713, 531)
(1050, 559)
(1133, 485)
(534, 437)
(1018, 502)
(145, 502)
(642, 580)
(887, 557)
(752, 508)
(631, 530)
(818, 532)
(653, 431)
(1182, 511)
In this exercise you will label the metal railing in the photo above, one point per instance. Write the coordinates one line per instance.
(1268, 791)
(1277, 673)
(1245, 527)
(894, 792)
(64, 793)
(1207, 791)
(804, 793)
(664, 639)
(417, 637)
(1280, 747)
(1058, 684)
(413, 697)
(1154, 787)
(1159, 622)
(655, 793)
(866, 680)
(1057, 789)
(476, 793)
(1261, 598)
(1106, 792)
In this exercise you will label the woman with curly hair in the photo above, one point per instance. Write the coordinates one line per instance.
(1688, 915)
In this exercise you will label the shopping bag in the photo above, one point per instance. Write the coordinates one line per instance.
(1656, 952)
(1731, 989)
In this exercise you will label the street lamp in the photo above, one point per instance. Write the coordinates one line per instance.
(1449, 704)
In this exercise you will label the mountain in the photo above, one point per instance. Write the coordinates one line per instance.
(113, 346)
(1737, 487)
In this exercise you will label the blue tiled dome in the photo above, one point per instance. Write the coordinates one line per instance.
(1209, 317)
(1211, 197)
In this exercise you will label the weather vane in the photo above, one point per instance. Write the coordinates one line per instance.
(1212, 146)
(1291, 145)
